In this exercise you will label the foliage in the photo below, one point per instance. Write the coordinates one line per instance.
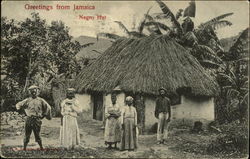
(229, 68)
(233, 80)
(183, 32)
(10, 94)
(22, 43)
(62, 48)
(216, 20)
(233, 139)
(138, 33)
(204, 35)
(190, 10)
(34, 52)
(169, 15)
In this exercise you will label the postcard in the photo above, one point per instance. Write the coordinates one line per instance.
(124, 79)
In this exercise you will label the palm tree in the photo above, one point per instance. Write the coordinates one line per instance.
(202, 41)
(235, 69)
(130, 34)
(233, 76)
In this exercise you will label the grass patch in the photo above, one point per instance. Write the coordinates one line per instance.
(53, 152)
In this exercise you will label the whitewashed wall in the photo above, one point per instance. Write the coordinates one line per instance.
(150, 118)
(86, 104)
(194, 109)
(190, 109)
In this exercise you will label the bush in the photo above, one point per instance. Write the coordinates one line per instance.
(233, 139)
(47, 96)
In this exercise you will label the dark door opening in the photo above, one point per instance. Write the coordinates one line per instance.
(98, 106)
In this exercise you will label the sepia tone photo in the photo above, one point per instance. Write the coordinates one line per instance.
(125, 79)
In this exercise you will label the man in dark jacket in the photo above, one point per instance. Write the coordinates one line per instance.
(163, 114)
(36, 109)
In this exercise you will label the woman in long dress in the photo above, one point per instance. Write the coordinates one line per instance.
(69, 133)
(129, 125)
(112, 127)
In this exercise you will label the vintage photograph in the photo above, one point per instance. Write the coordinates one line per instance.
(125, 79)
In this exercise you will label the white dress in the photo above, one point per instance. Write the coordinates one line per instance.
(69, 133)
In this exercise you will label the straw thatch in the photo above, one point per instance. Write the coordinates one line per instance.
(143, 66)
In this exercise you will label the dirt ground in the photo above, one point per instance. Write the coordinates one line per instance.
(181, 144)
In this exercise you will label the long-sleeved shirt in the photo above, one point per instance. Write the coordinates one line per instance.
(35, 107)
(162, 105)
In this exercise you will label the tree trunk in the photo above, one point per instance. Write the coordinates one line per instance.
(58, 95)
(26, 83)
(140, 108)
(28, 75)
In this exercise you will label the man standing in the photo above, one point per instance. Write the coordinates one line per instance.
(36, 109)
(162, 112)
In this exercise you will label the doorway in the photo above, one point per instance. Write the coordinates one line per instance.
(98, 106)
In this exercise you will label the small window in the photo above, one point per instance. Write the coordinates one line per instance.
(175, 99)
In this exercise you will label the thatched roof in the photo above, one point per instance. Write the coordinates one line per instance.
(143, 66)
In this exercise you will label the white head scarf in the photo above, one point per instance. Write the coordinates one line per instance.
(129, 98)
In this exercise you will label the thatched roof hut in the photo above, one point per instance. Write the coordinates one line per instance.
(144, 65)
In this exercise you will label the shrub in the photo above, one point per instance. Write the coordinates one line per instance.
(233, 139)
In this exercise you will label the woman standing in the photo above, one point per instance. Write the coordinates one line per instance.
(112, 127)
(69, 133)
(129, 125)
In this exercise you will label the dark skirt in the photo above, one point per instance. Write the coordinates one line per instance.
(128, 140)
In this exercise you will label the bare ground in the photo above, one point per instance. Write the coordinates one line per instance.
(181, 144)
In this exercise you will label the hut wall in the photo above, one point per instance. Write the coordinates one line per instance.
(150, 118)
(194, 109)
(189, 109)
(86, 104)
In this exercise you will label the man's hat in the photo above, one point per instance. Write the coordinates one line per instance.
(162, 88)
(71, 90)
(33, 87)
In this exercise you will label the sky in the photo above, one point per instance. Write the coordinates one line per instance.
(130, 13)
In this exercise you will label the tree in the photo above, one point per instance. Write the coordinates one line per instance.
(62, 49)
(202, 41)
(233, 78)
(138, 33)
(21, 47)
(22, 44)
(32, 50)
